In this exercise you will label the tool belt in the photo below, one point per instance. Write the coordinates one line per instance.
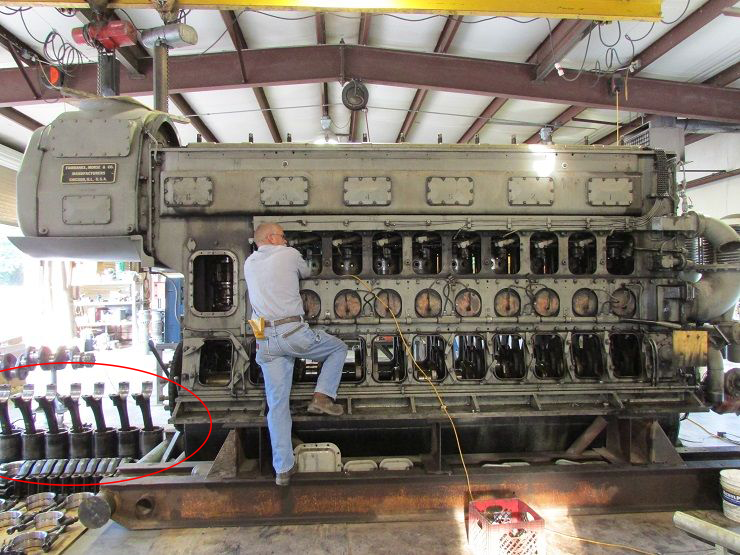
(288, 320)
(258, 326)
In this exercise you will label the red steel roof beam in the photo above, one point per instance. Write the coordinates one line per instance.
(316, 64)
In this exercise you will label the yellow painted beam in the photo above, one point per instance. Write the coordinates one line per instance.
(600, 10)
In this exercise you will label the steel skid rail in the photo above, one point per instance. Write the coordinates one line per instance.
(180, 500)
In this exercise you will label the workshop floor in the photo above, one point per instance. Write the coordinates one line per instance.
(649, 532)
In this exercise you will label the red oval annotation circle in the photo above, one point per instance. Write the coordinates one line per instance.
(210, 429)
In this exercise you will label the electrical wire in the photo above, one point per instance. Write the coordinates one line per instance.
(25, 26)
(652, 26)
(679, 17)
(66, 12)
(619, 37)
(605, 544)
(583, 63)
(426, 376)
(13, 11)
(717, 436)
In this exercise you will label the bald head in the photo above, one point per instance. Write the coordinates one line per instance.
(269, 233)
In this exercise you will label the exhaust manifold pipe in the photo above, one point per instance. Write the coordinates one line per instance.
(717, 292)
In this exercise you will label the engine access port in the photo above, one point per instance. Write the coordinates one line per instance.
(468, 303)
(213, 283)
(549, 356)
(587, 353)
(469, 357)
(620, 254)
(582, 253)
(353, 370)
(627, 358)
(505, 253)
(311, 304)
(623, 303)
(426, 253)
(389, 359)
(543, 252)
(215, 362)
(388, 304)
(508, 357)
(387, 259)
(429, 353)
(428, 303)
(346, 255)
(507, 303)
(466, 253)
(546, 303)
(347, 304)
(309, 245)
(585, 303)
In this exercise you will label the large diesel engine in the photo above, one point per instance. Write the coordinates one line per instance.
(538, 286)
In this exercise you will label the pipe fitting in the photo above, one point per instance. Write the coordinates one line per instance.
(722, 237)
(715, 391)
(716, 292)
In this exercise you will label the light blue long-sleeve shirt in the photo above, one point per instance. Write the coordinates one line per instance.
(272, 274)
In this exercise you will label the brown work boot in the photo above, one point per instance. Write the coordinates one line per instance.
(323, 404)
(283, 478)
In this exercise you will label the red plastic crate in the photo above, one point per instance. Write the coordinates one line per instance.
(505, 527)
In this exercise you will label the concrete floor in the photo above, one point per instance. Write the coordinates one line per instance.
(649, 532)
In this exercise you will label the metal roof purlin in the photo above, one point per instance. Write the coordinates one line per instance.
(565, 36)
(195, 120)
(231, 20)
(443, 45)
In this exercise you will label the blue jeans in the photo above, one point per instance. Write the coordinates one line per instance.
(276, 355)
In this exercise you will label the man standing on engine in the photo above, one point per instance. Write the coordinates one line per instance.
(272, 274)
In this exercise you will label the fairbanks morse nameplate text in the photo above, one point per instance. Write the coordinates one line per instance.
(89, 173)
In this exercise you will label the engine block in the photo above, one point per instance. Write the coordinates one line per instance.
(528, 280)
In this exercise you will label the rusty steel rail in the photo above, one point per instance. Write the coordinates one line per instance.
(173, 501)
